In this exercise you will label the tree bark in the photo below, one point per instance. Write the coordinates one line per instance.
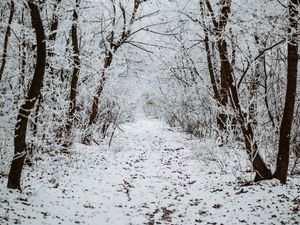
(229, 91)
(50, 54)
(211, 70)
(30, 100)
(287, 119)
(93, 116)
(74, 78)
(7, 34)
(224, 71)
(260, 168)
(54, 24)
(221, 94)
(107, 63)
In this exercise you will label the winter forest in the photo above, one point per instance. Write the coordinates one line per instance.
(149, 112)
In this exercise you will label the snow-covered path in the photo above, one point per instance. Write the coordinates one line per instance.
(148, 176)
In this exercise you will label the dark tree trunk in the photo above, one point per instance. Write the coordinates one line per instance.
(287, 119)
(22, 55)
(94, 113)
(54, 24)
(26, 108)
(220, 93)
(7, 34)
(74, 78)
(224, 71)
(51, 38)
(96, 99)
(53, 34)
(260, 168)
(107, 63)
(229, 91)
(36, 113)
(211, 68)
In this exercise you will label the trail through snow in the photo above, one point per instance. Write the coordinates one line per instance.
(148, 176)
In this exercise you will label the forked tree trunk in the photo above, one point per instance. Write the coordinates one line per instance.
(114, 45)
(7, 34)
(26, 108)
(228, 90)
(260, 168)
(287, 119)
(218, 95)
(220, 89)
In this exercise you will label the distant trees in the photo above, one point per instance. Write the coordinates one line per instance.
(114, 34)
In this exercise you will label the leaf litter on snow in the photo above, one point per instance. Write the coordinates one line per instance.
(150, 175)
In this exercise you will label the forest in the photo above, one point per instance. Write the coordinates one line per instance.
(149, 112)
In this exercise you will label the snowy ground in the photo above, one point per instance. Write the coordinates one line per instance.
(150, 175)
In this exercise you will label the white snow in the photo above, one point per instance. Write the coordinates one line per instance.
(151, 174)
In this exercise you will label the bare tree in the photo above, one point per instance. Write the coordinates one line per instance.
(115, 41)
(230, 90)
(7, 34)
(291, 87)
(30, 100)
(74, 77)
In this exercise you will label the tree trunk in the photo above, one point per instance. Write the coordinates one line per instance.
(50, 53)
(22, 56)
(7, 34)
(211, 68)
(224, 71)
(54, 24)
(287, 119)
(220, 95)
(26, 108)
(94, 113)
(107, 63)
(260, 168)
(221, 117)
(74, 79)
(229, 91)
(53, 34)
